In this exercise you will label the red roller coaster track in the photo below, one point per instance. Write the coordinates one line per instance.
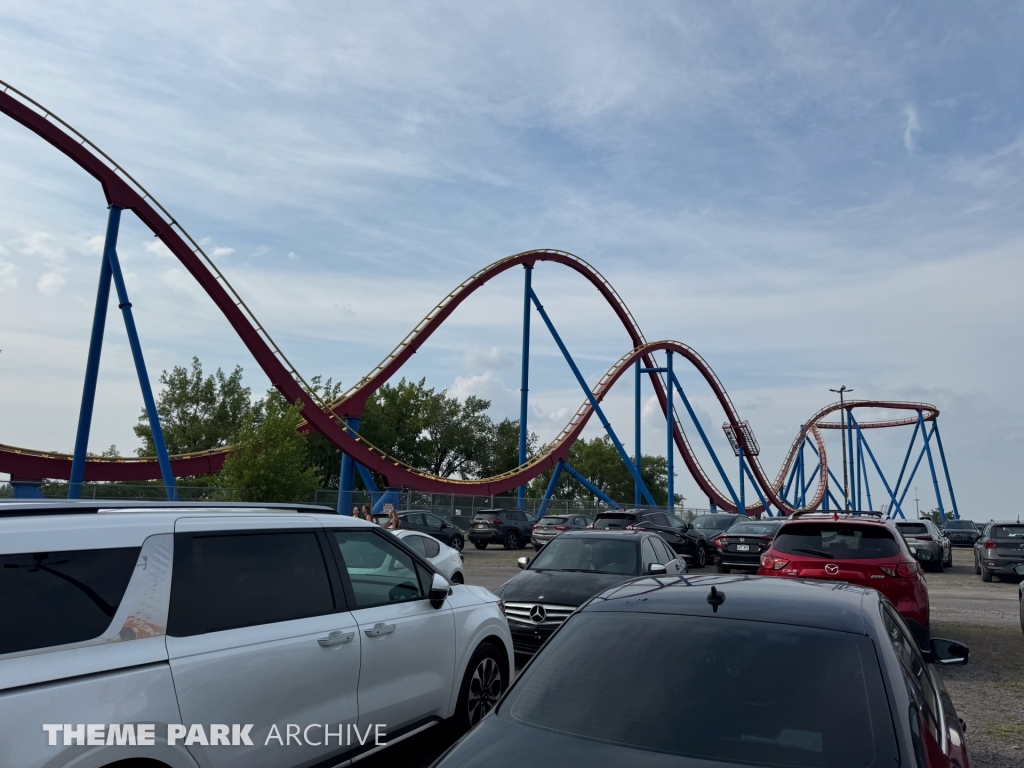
(123, 191)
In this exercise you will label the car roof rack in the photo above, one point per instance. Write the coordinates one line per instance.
(833, 513)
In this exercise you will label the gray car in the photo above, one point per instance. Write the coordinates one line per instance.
(999, 549)
(550, 526)
(927, 543)
(1019, 570)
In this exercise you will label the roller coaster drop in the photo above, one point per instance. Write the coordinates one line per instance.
(338, 420)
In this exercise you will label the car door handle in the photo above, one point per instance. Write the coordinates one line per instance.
(380, 629)
(336, 638)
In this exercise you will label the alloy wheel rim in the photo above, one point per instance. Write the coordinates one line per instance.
(484, 690)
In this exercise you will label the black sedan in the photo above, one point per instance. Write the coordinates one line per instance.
(726, 671)
(961, 533)
(740, 545)
(426, 522)
(684, 539)
(571, 569)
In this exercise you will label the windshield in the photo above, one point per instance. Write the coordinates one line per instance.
(552, 521)
(712, 522)
(960, 525)
(753, 529)
(588, 554)
(912, 528)
(686, 672)
(837, 541)
(607, 521)
(1008, 532)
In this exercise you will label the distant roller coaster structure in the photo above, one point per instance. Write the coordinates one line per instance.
(793, 488)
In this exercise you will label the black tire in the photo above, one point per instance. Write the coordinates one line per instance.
(511, 540)
(722, 568)
(458, 543)
(485, 680)
(457, 578)
(701, 558)
(949, 562)
(986, 574)
(977, 567)
(480, 544)
(1022, 613)
(537, 546)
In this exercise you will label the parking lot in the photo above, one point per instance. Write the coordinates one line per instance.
(987, 692)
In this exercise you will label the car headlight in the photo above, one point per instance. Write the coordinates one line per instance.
(501, 607)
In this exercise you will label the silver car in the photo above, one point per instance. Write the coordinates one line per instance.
(550, 526)
(927, 543)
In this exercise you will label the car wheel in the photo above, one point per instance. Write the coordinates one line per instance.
(1022, 613)
(484, 682)
(949, 562)
(722, 568)
(986, 574)
(511, 540)
(457, 578)
(458, 543)
(480, 544)
(701, 558)
(977, 568)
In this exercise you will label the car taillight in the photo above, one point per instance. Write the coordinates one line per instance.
(906, 570)
(590, 527)
(718, 541)
(628, 528)
(773, 563)
(990, 545)
(924, 537)
(561, 527)
(495, 522)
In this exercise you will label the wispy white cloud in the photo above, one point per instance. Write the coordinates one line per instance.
(911, 127)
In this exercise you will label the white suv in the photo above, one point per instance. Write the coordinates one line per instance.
(215, 638)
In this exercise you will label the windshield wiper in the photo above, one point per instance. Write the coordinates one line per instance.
(815, 552)
(578, 570)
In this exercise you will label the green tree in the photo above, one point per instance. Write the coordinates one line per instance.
(268, 461)
(502, 452)
(321, 454)
(394, 419)
(456, 435)
(197, 413)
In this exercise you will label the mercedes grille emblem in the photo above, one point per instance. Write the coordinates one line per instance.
(831, 569)
(538, 614)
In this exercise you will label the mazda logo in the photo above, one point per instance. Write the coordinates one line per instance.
(538, 614)
(831, 569)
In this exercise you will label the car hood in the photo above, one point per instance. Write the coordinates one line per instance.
(557, 587)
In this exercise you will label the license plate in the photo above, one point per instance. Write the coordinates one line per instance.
(480, 526)
(742, 547)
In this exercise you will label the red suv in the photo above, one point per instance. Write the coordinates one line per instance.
(861, 548)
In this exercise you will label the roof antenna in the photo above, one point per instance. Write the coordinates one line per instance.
(715, 599)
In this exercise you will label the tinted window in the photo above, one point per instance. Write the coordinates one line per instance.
(434, 521)
(659, 519)
(911, 529)
(959, 525)
(675, 522)
(647, 555)
(1008, 531)
(620, 520)
(518, 517)
(587, 554)
(837, 541)
(415, 543)
(414, 518)
(915, 672)
(665, 555)
(686, 672)
(553, 521)
(379, 571)
(53, 598)
(242, 580)
(753, 529)
(712, 522)
(430, 547)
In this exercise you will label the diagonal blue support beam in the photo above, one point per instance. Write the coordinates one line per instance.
(878, 469)
(552, 485)
(808, 484)
(92, 366)
(704, 437)
(593, 400)
(140, 368)
(757, 489)
(589, 485)
(931, 466)
(367, 479)
(862, 444)
(913, 472)
(910, 448)
(945, 469)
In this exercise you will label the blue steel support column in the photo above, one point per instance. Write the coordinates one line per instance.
(552, 485)
(140, 367)
(935, 477)
(593, 400)
(589, 486)
(347, 476)
(890, 491)
(910, 448)
(859, 461)
(945, 469)
(92, 366)
(636, 441)
(757, 490)
(743, 496)
(670, 450)
(524, 389)
(849, 440)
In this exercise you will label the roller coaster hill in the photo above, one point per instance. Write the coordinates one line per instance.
(806, 480)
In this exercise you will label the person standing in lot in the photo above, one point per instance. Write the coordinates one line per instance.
(366, 515)
(393, 522)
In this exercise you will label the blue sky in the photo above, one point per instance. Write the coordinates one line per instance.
(808, 194)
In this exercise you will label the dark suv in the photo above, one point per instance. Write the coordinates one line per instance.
(511, 528)
(961, 533)
(430, 524)
(999, 549)
(682, 537)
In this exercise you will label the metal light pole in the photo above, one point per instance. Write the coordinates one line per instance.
(842, 433)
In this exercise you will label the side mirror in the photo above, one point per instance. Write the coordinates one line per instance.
(1019, 569)
(656, 568)
(522, 562)
(439, 589)
(947, 651)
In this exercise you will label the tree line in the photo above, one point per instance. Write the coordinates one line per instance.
(272, 460)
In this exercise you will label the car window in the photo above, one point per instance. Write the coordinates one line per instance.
(837, 541)
(415, 543)
(661, 549)
(553, 521)
(484, 517)
(675, 522)
(712, 522)
(959, 525)
(434, 521)
(580, 521)
(660, 519)
(414, 518)
(228, 581)
(54, 598)
(529, 517)
(1008, 532)
(753, 529)
(380, 572)
(915, 671)
(617, 556)
(431, 548)
(614, 520)
(647, 555)
(686, 671)
(911, 529)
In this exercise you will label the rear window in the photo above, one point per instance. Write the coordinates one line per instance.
(1008, 532)
(753, 529)
(687, 671)
(54, 598)
(553, 521)
(960, 525)
(620, 520)
(712, 523)
(912, 528)
(486, 517)
(837, 541)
